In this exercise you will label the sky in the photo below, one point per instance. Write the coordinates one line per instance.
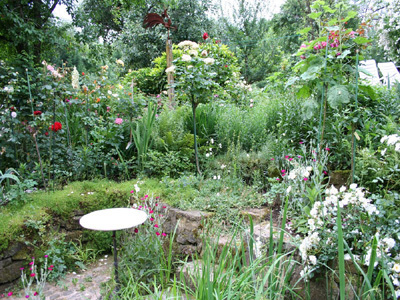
(273, 7)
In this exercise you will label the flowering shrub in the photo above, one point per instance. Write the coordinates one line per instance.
(360, 221)
(302, 176)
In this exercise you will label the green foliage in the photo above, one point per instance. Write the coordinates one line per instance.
(142, 133)
(338, 95)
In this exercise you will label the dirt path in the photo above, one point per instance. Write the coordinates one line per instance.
(77, 286)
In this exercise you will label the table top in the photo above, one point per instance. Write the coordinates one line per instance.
(113, 219)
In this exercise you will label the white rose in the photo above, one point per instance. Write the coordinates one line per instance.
(209, 61)
(171, 69)
(186, 57)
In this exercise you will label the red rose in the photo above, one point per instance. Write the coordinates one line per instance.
(56, 126)
(83, 74)
(37, 112)
(205, 36)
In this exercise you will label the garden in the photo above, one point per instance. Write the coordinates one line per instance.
(268, 166)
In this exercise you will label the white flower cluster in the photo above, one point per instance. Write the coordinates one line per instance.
(188, 45)
(209, 61)
(171, 69)
(302, 172)
(8, 89)
(323, 218)
(390, 140)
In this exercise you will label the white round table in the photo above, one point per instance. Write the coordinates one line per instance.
(113, 219)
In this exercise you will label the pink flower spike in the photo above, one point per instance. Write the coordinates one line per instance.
(301, 142)
(286, 156)
(33, 275)
(27, 296)
(283, 171)
(151, 219)
(140, 206)
(146, 196)
(278, 179)
(161, 215)
(9, 294)
(164, 206)
(156, 204)
(158, 197)
(46, 256)
(272, 158)
(299, 156)
(290, 159)
(136, 230)
(164, 234)
(157, 233)
(156, 225)
(151, 211)
(327, 149)
(132, 191)
(305, 178)
(31, 263)
(35, 293)
(325, 172)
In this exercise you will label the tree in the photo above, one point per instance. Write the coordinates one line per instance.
(242, 33)
(26, 27)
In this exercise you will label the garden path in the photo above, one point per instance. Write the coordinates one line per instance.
(84, 285)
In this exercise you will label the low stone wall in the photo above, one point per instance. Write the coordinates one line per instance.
(11, 261)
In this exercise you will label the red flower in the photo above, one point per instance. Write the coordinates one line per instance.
(226, 66)
(136, 230)
(205, 36)
(33, 275)
(56, 126)
(46, 133)
(37, 112)
(83, 74)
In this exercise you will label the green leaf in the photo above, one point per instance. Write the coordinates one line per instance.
(350, 15)
(48, 87)
(311, 73)
(304, 92)
(308, 108)
(369, 90)
(361, 40)
(304, 31)
(328, 9)
(333, 28)
(338, 95)
(315, 15)
(333, 22)
(291, 81)
(344, 54)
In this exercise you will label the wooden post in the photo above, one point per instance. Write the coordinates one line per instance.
(170, 76)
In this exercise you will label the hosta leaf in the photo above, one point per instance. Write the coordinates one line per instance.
(338, 95)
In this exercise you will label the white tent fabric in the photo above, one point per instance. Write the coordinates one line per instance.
(389, 72)
(369, 66)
